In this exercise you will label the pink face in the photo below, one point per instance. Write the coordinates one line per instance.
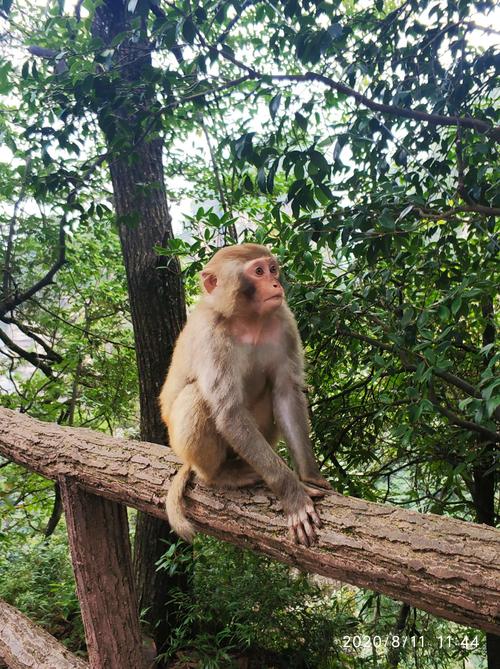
(263, 286)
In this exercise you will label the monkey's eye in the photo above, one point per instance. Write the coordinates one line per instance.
(273, 269)
(259, 271)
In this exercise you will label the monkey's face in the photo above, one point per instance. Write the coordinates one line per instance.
(260, 285)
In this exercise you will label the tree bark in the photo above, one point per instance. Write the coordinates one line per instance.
(102, 563)
(154, 285)
(24, 645)
(445, 566)
(158, 312)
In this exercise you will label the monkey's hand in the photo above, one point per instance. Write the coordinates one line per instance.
(302, 519)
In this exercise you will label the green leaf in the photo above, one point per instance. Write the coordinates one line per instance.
(486, 350)
(274, 105)
(247, 184)
(412, 393)
(169, 36)
(5, 83)
(261, 179)
(488, 390)
(270, 178)
(404, 213)
(463, 404)
(243, 146)
(189, 31)
(291, 8)
(386, 220)
(200, 14)
(455, 305)
(492, 404)
(319, 161)
(308, 260)
(443, 312)
(301, 121)
(298, 171)
(415, 411)
(335, 31)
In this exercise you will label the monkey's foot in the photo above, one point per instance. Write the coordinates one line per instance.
(302, 523)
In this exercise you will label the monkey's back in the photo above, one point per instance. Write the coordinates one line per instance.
(188, 352)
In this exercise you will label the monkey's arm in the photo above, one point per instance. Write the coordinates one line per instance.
(290, 411)
(223, 393)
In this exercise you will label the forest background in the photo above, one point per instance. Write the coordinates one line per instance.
(359, 141)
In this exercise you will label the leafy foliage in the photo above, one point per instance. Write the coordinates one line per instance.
(247, 607)
(37, 577)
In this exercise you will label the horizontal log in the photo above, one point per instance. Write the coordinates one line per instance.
(445, 566)
(24, 645)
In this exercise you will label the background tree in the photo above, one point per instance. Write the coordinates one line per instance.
(155, 290)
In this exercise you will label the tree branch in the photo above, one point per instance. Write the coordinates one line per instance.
(89, 333)
(209, 91)
(56, 513)
(29, 356)
(18, 298)
(8, 304)
(244, 5)
(460, 422)
(215, 167)
(60, 64)
(450, 213)
(445, 376)
(49, 351)
(439, 564)
(434, 119)
(24, 644)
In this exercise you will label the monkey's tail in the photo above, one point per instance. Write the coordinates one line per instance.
(175, 512)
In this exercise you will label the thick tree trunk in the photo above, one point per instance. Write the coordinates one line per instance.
(102, 562)
(24, 645)
(154, 285)
(445, 566)
(158, 312)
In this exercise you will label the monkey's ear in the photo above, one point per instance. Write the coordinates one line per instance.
(209, 280)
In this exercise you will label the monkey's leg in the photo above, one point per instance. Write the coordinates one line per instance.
(235, 474)
(194, 440)
(192, 433)
(262, 412)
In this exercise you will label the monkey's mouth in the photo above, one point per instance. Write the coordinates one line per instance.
(274, 297)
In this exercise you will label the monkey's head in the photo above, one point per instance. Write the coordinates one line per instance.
(243, 280)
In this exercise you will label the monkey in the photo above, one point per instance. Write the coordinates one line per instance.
(235, 386)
